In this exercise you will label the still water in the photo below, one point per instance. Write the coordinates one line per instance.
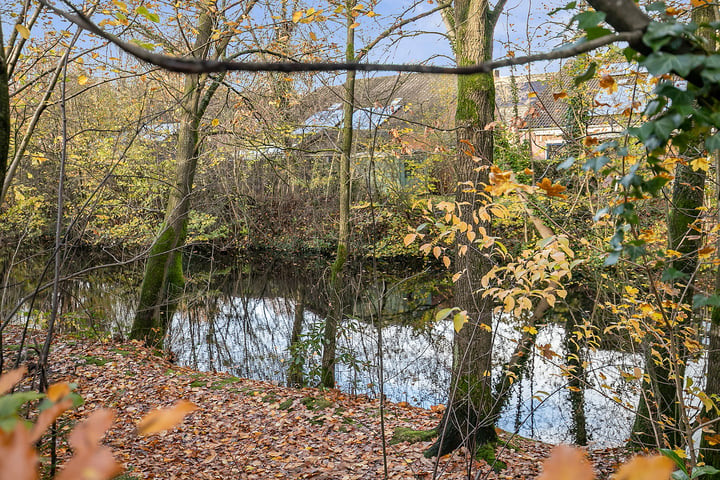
(238, 317)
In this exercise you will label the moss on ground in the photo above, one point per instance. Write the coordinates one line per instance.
(403, 434)
(316, 403)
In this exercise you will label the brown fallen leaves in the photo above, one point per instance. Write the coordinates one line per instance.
(246, 429)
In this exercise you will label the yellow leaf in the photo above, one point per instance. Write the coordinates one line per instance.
(701, 163)
(471, 236)
(656, 467)
(371, 14)
(567, 463)
(409, 238)
(82, 79)
(446, 261)
(313, 37)
(530, 329)
(121, 5)
(459, 319)
(161, 420)
(456, 277)
(297, 16)
(215, 122)
(23, 31)
(437, 251)
(509, 303)
(355, 25)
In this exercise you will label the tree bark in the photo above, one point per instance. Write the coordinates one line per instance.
(4, 111)
(469, 419)
(337, 270)
(163, 280)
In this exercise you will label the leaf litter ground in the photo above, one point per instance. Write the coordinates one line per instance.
(248, 429)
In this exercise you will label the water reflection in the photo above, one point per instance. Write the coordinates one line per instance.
(240, 318)
(249, 336)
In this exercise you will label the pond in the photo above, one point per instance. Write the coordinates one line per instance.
(238, 316)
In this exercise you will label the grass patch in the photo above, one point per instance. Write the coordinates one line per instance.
(97, 361)
(403, 434)
(286, 404)
(199, 383)
(316, 403)
(220, 384)
(124, 353)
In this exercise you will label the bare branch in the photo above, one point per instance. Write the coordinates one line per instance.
(192, 65)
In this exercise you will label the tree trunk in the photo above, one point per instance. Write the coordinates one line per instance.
(338, 267)
(163, 280)
(297, 359)
(4, 111)
(469, 419)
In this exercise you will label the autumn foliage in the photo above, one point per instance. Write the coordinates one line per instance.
(19, 458)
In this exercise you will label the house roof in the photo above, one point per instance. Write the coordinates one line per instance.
(422, 100)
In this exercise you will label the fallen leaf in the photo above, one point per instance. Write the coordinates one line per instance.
(166, 418)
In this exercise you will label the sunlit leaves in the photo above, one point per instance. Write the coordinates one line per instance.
(23, 31)
(163, 419)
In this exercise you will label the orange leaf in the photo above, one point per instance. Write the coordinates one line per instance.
(552, 190)
(409, 238)
(10, 379)
(91, 461)
(656, 467)
(47, 417)
(58, 391)
(18, 459)
(166, 418)
(558, 96)
(567, 463)
(608, 83)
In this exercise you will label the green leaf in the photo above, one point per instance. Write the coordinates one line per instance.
(611, 259)
(589, 19)
(700, 301)
(670, 275)
(442, 314)
(142, 10)
(584, 77)
(569, 6)
(713, 143)
(675, 458)
(704, 470)
(596, 163)
(10, 404)
(567, 163)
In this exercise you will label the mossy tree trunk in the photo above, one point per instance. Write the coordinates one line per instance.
(163, 279)
(469, 418)
(337, 270)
